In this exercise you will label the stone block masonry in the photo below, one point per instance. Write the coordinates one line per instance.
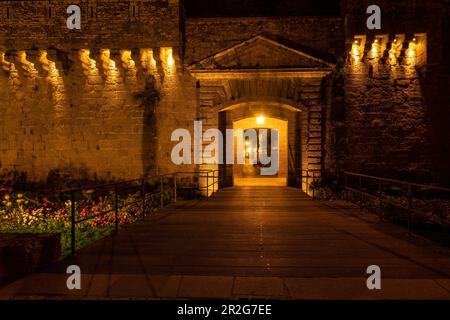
(385, 124)
(398, 113)
(112, 23)
(75, 102)
(207, 36)
(90, 120)
(82, 102)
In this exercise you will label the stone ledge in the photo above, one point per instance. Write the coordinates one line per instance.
(22, 253)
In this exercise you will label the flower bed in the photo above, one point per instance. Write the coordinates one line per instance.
(30, 212)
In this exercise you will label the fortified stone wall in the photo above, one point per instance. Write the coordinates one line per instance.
(385, 115)
(79, 104)
(109, 23)
(390, 114)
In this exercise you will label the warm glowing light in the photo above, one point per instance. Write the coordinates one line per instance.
(27, 65)
(170, 57)
(412, 49)
(356, 51)
(109, 66)
(376, 47)
(152, 59)
(128, 64)
(47, 65)
(6, 65)
(88, 65)
(86, 60)
(247, 143)
(260, 120)
(167, 59)
(148, 61)
(104, 57)
(395, 49)
(127, 60)
(53, 78)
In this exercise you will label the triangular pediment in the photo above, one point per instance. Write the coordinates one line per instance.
(261, 53)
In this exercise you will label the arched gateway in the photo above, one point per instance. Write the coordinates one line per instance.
(264, 78)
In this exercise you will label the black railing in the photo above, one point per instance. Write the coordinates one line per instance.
(384, 190)
(149, 190)
(310, 178)
(214, 175)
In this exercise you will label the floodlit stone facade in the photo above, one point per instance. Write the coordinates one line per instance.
(101, 103)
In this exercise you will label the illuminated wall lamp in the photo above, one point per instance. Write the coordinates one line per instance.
(260, 120)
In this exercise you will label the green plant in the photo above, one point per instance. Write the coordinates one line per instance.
(32, 213)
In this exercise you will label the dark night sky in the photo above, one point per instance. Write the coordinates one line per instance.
(236, 8)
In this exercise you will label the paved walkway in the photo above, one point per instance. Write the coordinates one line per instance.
(251, 242)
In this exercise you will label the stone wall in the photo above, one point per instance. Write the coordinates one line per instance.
(323, 36)
(90, 122)
(75, 123)
(385, 118)
(77, 103)
(391, 116)
(111, 23)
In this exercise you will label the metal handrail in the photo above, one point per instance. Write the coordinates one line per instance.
(398, 181)
(379, 194)
(144, 195)
(214, 182)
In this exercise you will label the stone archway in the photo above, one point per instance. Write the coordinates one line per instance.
(264, 72)
(293, 117)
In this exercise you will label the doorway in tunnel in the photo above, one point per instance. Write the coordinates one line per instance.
(261, 136)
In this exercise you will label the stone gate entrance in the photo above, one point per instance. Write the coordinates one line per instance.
(262, 76)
